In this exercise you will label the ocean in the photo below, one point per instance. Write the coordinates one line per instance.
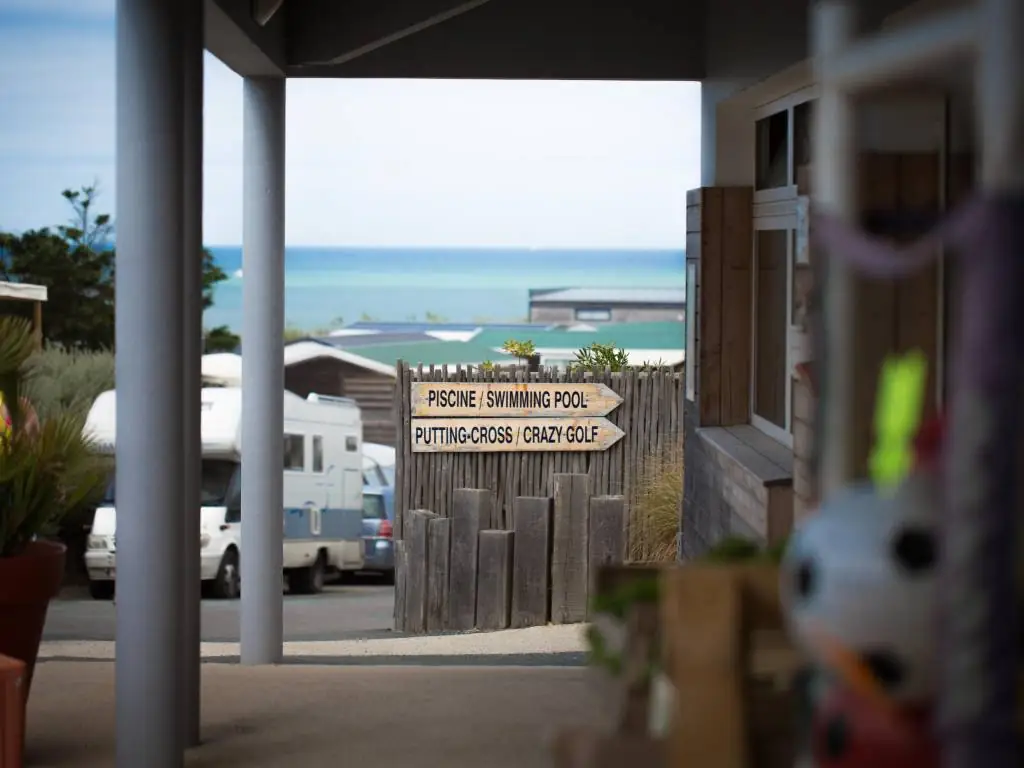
(331, 286)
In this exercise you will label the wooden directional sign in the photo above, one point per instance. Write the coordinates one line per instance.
(462, 399)
(589, 433)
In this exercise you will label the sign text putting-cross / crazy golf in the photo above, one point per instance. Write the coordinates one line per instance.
(507, 416)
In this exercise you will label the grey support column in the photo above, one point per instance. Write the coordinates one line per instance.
(262, 369)
(192, 272)
(150, 222)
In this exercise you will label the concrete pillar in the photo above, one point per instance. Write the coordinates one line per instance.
(262, 369)
(726, 136)
(708, 110)
(150, 222)
(192, 276)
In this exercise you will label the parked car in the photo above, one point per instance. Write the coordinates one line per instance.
(378, 530)
(378, 465)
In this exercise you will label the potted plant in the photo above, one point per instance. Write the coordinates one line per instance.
(47, 467)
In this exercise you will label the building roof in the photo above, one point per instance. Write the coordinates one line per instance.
(609, 296)
(349, 341)
(437, 353)
(23, 291)
(425, 327)
(668, 335)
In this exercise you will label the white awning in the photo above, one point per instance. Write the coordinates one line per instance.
(23, 291)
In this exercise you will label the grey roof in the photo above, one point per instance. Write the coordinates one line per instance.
(610, 296)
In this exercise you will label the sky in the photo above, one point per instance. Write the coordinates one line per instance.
(369, 162)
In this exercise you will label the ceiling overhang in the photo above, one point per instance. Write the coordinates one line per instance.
(471, 39)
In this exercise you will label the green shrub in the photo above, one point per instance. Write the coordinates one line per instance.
(597, 357)
(67, 381)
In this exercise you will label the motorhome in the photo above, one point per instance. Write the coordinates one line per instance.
(323, 492)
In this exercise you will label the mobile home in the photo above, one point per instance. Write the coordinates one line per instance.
(323, 484)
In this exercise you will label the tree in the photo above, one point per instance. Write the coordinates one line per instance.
(76, 264)
(220, 339)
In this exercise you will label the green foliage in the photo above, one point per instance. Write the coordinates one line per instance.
(220, 339)
(432, 317)
(597, 357)
(47, 467)
(523, 350)
(366, 317)
(487, 365)
(616, 605)
(76, 263)
(59, 380)
(736, 549)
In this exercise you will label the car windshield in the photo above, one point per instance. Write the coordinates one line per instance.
(220, 484)
(373, 507)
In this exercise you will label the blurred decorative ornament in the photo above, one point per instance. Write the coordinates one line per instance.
(849, 731)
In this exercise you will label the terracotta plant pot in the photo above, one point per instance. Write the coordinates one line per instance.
(28, 582)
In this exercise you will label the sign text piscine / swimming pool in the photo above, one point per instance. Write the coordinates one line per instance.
(504, 416)
(462, 399)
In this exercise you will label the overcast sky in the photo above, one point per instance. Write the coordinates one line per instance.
(370, 162)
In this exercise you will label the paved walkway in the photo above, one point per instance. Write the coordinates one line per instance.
(551, 640)
(312, 716)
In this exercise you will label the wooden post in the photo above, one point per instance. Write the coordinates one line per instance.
(471, 512)
(417, 556)
(531, 561)
(401, 570)
(37, 323)
(607, 531)
(494, 580)
(835, 184)
(439, 549)
(570, 549)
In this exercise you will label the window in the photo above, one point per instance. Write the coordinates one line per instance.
(351, 443)
(219, 484)
(594, 313)
(373, 507)
(318, 453)
(772, 151)
(803, 119)
(772, 311)
(691, 331)
(294, 453)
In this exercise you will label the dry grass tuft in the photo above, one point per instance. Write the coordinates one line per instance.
(654, 517)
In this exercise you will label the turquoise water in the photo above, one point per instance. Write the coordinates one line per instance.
(325, 286)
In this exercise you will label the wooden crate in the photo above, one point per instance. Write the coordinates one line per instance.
(12, 711)
(732, 666)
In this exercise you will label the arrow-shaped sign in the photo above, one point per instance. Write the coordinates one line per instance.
(464, 399)
(589, 433)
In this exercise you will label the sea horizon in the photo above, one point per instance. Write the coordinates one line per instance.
(331, 286)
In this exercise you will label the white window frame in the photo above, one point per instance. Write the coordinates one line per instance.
(776, 209)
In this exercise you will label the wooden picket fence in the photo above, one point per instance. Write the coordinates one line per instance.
(651, 415)
(455, 573)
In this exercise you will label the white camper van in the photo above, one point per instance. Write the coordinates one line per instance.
(323, 485)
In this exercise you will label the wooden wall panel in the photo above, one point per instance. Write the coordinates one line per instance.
(724, 249)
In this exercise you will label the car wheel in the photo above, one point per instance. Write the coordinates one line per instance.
(101, 590)
(308, 581)
(228, 583)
